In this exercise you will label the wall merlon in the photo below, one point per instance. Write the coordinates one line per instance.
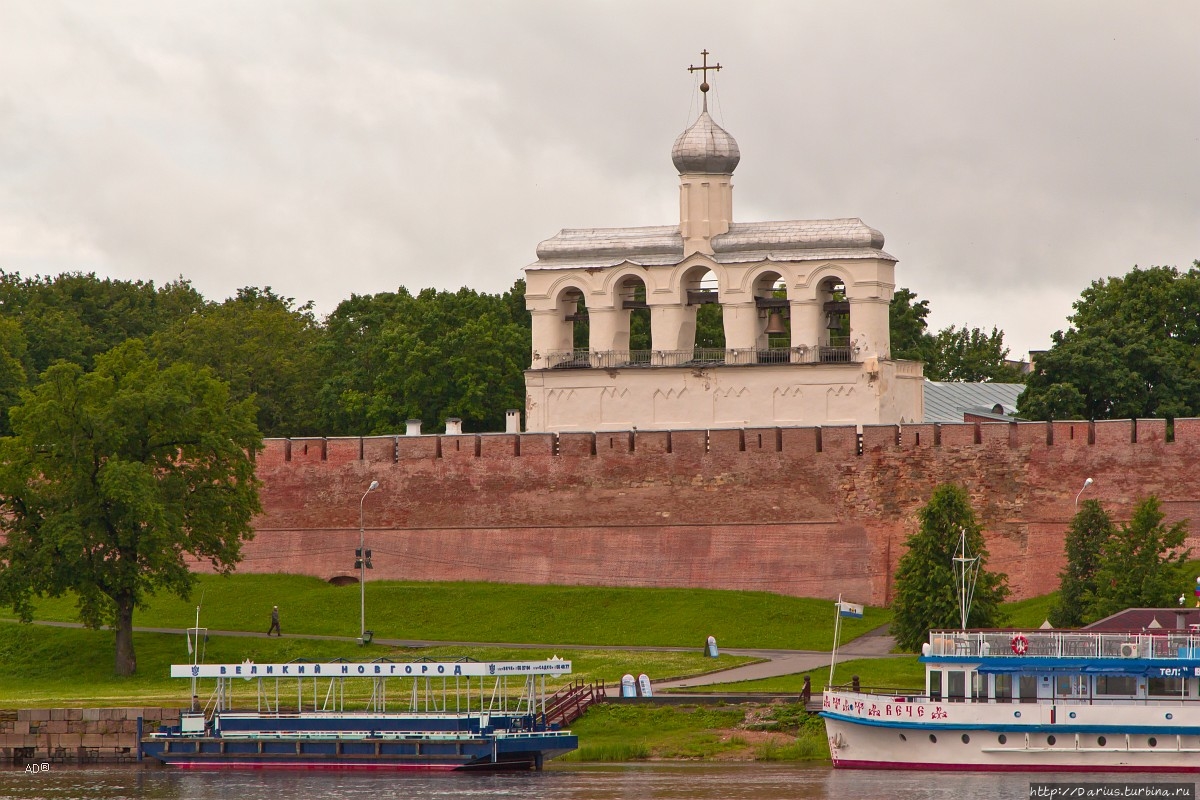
(689, 443)
(960, 434)
(646, 442)
(343, 449)
(379, 449)
(1075, 433)
(800, 442)
(1186, 429)
(921, 435)
(575, 444)
(1032, 434)
(274, 452)
(613, 443)
(729, 440)
(308, 450)
(997, 434)
(463, 446)
(838, 440)
(880, 437)
(499, 445)
(410, 447)
(537, 444)
(770, 440)
(1113, 431)
(1150, 430)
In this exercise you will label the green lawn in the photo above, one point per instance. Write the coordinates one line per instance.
(42, 665)
(489, 612)
(1029, 613)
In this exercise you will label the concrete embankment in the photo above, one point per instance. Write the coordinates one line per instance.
(78, 735)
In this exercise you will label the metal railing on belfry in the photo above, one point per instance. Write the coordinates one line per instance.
(698, 357)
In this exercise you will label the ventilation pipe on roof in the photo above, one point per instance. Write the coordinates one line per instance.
(413, 427)
(453, 426)
(512, 420)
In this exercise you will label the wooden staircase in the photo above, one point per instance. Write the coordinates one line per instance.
(568, 703)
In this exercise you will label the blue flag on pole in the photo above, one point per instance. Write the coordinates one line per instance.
(851, 610)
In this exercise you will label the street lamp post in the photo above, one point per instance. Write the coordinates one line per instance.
(362, 566)
(1086, 484)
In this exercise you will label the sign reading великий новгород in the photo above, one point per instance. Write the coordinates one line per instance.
(372, 669)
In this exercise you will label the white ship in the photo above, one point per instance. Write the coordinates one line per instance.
(1019, 700)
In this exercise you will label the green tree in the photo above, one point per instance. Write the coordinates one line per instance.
(1132, 350)
(265, 347)
(12, 370)
(909, 331)
(76, 316)
(926, 592)
(115, 478)
(394, 356)
(1142, 565)
(959, 354)
(1090, 528)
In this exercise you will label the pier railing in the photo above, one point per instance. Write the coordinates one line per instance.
(1064, 644)
(568, 703)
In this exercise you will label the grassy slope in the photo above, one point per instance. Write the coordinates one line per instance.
(488, 612)
(56, 666)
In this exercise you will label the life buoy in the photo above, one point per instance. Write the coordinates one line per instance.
(1020, 645)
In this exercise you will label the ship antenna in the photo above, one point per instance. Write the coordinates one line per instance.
(966, 574)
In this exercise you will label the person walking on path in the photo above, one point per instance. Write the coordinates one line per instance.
(274, 622)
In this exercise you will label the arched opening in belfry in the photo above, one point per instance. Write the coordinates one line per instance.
(774, 336)
(835, 334)
(576, 315)
(703, 292)
(631, 298)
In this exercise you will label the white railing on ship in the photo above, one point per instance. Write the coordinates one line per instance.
(1065, 644)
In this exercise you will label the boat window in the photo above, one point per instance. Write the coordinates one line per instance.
(978, 686)
(1070, 685)
(1167, 687)
(1003, 684)
(935, 684)
(1116, 684)
(1029, 688)
(956, 684)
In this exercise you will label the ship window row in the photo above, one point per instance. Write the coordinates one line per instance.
(957, 686)
(1050, 740)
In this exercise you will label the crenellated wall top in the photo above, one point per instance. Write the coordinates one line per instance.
(835, 441)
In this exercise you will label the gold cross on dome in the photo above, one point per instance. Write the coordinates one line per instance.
(704, 71)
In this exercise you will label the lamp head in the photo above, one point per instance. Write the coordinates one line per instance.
(375, 485)
(1087, 483)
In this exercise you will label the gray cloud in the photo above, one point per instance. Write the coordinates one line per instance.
(1011, 152)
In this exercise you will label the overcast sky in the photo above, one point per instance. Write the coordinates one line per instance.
(1011, 152)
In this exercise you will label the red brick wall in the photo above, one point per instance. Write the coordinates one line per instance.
(793, 510)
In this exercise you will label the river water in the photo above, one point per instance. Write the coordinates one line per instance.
(573, 782)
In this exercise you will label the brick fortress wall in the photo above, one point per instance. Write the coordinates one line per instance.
(798, 511)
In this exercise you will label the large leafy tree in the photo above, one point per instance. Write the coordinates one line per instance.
(114, 478)
(265, 347)
(1090, 528)
(926, 591)
(952, 354)
(77, 316)
(394, 356)
(909, 330)
(1132, 350)
(1142, 565)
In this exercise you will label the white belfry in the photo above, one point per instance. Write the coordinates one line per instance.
(804, 312)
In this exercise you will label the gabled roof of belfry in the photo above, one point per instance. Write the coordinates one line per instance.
(662, 245)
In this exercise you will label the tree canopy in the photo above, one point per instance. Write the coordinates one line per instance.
(114, 478)
(1090, 528)
(1141, 565)
(952, 354)
(926, 591)
(1132, 350)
